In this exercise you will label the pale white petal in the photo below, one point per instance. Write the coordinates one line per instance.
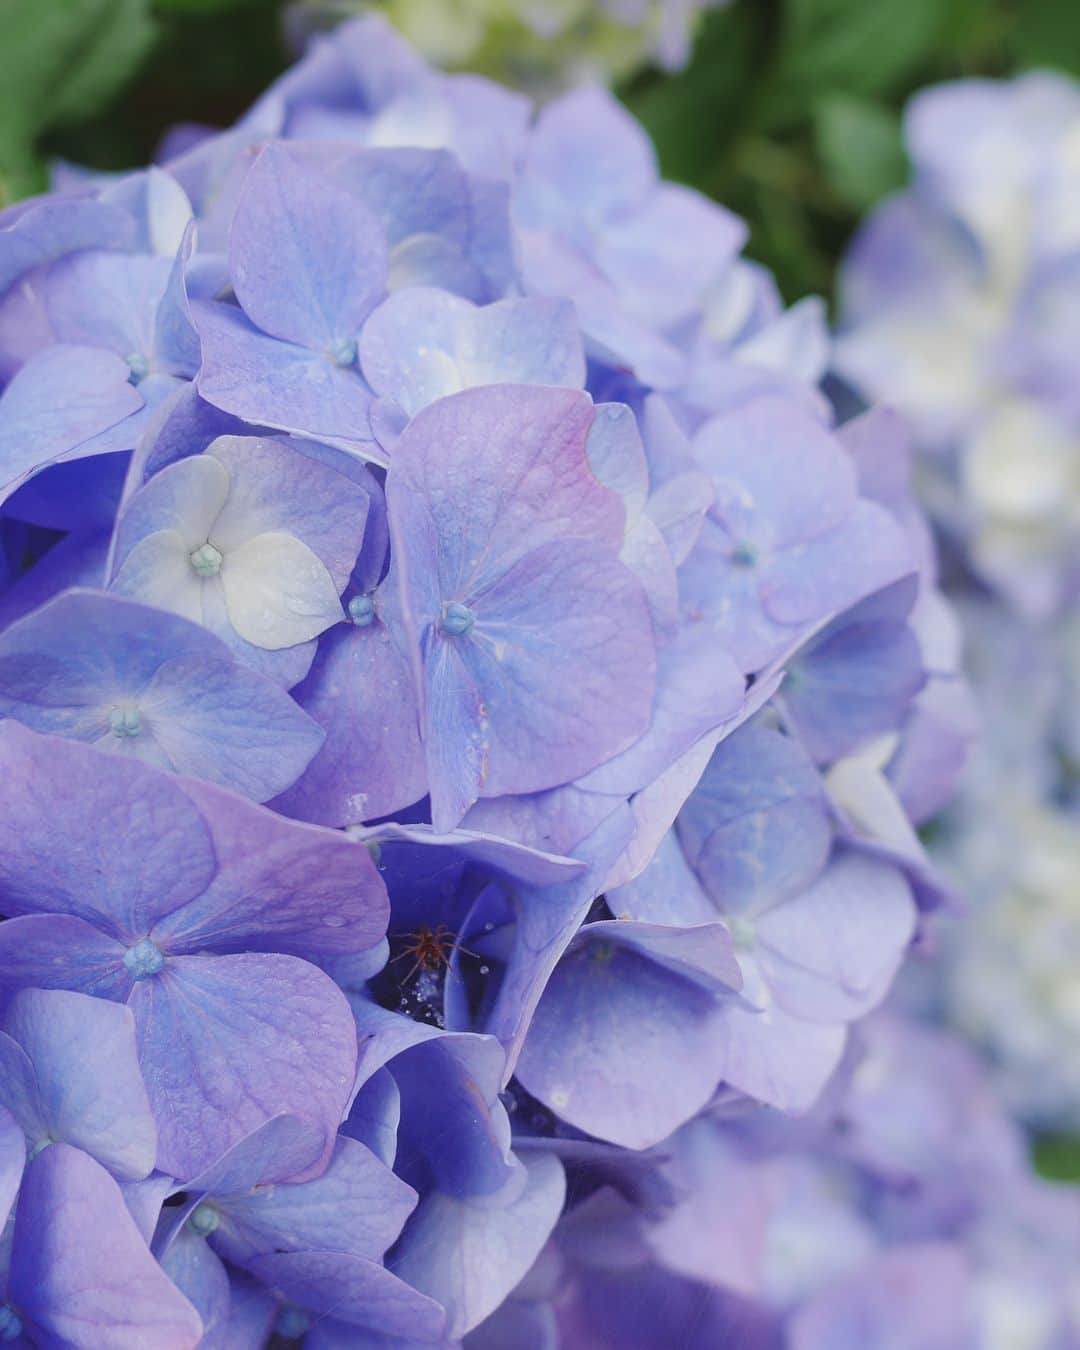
(278, 592)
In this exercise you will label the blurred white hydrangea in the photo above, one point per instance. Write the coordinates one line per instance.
(1014, 978)
(534, 43)
(961, 304)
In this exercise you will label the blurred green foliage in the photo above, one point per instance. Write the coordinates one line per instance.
(1057, 1156)
(791, 110)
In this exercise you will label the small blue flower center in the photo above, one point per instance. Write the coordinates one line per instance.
(125, 722)
(204, 1220)
(292, 1323)
(144, 959)
(361, 610)
(457, 619)
(742, 932)
(744, 555)
(343, 352)
(10, 1323)
(39, 1147)
(207, 560)
(138, 365)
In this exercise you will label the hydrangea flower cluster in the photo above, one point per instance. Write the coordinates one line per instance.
(959, 297)
(900, 1213)
(464, 708)
(538, 42)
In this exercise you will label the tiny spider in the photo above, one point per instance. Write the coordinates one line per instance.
(432, 949)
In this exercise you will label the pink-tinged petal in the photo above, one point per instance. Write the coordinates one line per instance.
(484, 477)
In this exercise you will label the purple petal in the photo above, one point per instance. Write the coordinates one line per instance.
(469, 1256)
(57, 951)
(831, 953)
(87, 1072)
(95, 836)
(357, 1206)
(280, 885)
(308, 261)
(81, 1274)
(226, 1042)
(61, 398)
(354, 1291)
(642, 1003)
(278, 384)
(360, 690)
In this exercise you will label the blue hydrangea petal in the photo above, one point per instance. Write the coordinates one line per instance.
(307, 260)
(58, 951)
(108, 300)
(630, 1014)
(20, 1095)
(856, 678)
(66, 1287)
(228, 1041)
(756, 829)
(468, 1256)
(87, 1072)
(62, 398)
(278, 384)
(805, 584)
(357, 1205)
(360, 690)
(545, 599)
(73, 663)
(201, 1277)
(768, 1054)
(375, 1115)
(831, 953)
(698, 690)
(666, 892)
(12, 1159)
(63, 804)
(423, 344)
(279, 886)
(352, 1294)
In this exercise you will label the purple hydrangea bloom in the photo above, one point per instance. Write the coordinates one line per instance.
(959, 294)
(382, 459)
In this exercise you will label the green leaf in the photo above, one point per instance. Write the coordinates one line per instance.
(693, 117)
(852, 46)
(1057, 1156)
(64, 59)
(1047, 33)
(861, 148)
